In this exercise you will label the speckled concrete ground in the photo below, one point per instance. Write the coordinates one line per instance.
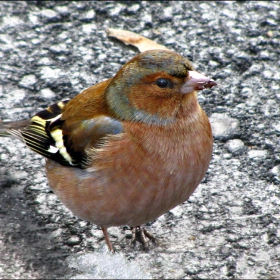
(230, 227)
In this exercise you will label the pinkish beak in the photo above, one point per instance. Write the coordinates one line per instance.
(196, 81)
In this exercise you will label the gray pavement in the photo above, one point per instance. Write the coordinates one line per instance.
(230, 227)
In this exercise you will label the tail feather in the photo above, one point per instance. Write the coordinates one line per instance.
(9, 129)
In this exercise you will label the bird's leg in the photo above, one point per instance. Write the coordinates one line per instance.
(108, 242)
(139, 233)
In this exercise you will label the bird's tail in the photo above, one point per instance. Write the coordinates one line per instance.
(9, 129)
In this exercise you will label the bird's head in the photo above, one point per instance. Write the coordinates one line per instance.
(152, 86)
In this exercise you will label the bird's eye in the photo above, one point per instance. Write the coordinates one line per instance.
(164, 83)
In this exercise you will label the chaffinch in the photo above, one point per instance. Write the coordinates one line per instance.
(128, 149)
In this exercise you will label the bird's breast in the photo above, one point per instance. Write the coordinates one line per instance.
(138, 175)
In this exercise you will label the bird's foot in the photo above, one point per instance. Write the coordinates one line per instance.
(139, 233)
(107, 239)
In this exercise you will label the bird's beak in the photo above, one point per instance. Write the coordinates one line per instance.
(196, 81)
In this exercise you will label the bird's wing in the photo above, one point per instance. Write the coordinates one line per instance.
(66, 130)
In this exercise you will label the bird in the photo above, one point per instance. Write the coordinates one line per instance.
(128, 149)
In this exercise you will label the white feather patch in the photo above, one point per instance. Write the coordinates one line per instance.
(52, 149)
(58, 138)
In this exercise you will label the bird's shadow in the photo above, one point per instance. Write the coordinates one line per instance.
(24, 238)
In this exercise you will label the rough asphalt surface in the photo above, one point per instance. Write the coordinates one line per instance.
(230, 227)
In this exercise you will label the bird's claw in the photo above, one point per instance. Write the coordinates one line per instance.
(139, 234)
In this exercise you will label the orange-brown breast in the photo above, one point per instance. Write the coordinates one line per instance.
(138, 175)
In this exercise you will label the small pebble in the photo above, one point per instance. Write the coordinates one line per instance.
(235, 146)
